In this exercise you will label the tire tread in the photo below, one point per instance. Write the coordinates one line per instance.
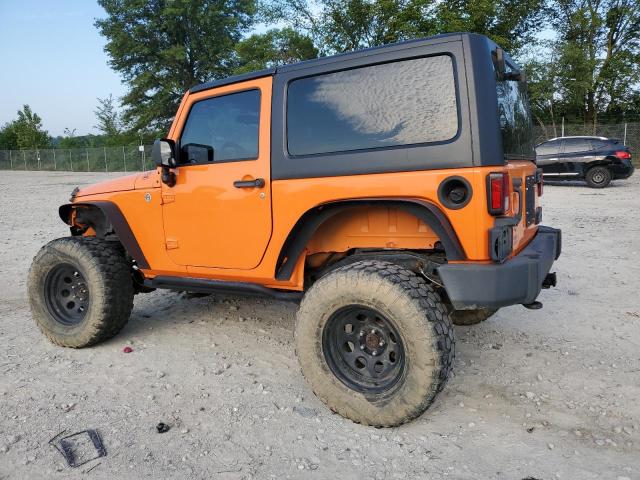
(418, 291)
(115, 298)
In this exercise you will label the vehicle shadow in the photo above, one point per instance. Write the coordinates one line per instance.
(164, 310)
(582, 184)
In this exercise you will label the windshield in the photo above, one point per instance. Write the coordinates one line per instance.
(515, 119)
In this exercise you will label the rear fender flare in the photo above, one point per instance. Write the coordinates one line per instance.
(313, 218)
(106, 216)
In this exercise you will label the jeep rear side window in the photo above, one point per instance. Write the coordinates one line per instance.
(400, 103)
(222, 129)
(515, 119)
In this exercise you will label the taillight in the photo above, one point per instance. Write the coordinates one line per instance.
(498, 193)
(623, 155)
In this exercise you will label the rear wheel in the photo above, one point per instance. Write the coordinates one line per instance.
(598, 177)
(375, 342)
(471, 317)
(80, 290)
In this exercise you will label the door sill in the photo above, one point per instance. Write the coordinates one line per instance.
(203, 285)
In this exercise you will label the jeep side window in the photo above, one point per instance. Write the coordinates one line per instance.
(399, 103)
(222, 129)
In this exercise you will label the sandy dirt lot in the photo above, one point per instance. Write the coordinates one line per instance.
(541, 394)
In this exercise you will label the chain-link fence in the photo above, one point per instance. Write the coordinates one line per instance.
(100, 159)
(137, 158)
(629, 133)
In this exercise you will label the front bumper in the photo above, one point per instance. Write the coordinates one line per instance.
(517, 280)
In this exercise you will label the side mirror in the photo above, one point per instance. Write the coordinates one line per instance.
(163, 153)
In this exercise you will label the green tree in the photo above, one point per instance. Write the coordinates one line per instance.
(164, 47)
(344, 25)
(542, 80)
(109, 124)
(511, 24)
(69, 139)
(353, 24)
(275, 47)
(598, 49)
(8, 136)
(28, 130)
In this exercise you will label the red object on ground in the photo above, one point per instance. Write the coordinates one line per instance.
(127, 349)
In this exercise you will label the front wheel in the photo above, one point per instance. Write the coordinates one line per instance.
(80, 290)
(375, 342)
(598, 177)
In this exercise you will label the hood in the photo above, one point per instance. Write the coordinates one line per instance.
(120, 184)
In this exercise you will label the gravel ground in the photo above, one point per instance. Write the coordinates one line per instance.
(540, 394)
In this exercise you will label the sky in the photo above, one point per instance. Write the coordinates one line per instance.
(53, 59)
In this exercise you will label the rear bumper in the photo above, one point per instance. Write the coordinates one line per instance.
(517, 280)
(622, 170)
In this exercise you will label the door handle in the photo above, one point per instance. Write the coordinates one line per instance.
(257, 183)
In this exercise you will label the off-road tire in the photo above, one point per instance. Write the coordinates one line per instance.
(471, 317)
(419, 316)
(107, 275)
(598, 177)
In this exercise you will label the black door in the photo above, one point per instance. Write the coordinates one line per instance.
(548, 156)
(574, 153)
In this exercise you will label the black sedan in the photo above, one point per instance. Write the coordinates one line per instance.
(598, 160)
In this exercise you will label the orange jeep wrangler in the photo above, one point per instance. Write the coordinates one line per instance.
(391, 191)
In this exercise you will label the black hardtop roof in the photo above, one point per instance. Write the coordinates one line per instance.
(399, 46)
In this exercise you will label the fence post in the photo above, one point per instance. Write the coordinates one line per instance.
(71, 160)
(11, 159)
(624, 142)
(55, 167)
(38, 157)
(124, 159)
(86, 151)
(24, 157)
(562, 127)
(106, 169)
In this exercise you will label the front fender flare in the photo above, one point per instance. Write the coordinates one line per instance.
(116, 219)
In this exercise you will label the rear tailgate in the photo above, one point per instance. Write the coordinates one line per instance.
(526, 182)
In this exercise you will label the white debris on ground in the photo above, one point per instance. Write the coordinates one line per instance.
(540, 394)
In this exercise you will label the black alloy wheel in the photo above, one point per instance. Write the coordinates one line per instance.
(363, 349)
(66, 294)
